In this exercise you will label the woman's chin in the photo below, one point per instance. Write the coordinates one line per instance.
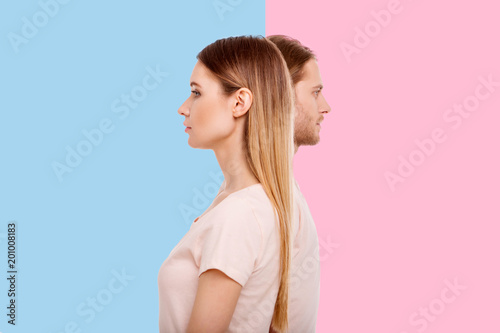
(193, 144)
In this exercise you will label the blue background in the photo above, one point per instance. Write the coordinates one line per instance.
(121, 208)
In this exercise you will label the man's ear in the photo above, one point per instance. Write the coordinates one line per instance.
(242, 101)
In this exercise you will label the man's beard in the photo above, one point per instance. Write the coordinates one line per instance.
(306, 136)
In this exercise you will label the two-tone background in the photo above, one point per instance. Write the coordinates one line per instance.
(98, 178)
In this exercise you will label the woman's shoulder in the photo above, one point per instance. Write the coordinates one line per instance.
(257, 199)
(246, 205)
(259, 203)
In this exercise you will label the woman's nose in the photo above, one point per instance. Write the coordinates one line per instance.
(184, 109)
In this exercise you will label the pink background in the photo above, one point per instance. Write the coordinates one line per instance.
(397, 248)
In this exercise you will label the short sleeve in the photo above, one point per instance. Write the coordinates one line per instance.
(233, 241)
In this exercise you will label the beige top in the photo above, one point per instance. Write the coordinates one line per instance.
(239, 236)
(305, 271)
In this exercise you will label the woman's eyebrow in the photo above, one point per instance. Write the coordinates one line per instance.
(192, 83)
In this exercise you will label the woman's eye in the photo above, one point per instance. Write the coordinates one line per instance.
(195, 92)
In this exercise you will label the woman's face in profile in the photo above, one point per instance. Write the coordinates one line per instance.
(207, 110)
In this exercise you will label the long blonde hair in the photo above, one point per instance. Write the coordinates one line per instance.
(257, 64)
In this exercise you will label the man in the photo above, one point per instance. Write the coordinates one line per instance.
(310, 107)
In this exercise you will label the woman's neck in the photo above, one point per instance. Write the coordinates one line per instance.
(236, 171)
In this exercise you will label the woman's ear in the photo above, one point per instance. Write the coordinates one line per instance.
(242, 101)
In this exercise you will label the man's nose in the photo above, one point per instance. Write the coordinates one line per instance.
(324, 106)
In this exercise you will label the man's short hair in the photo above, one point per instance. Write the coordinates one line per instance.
(296, 55)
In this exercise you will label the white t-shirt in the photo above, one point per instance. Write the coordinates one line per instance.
(305, 271)
(239, 236)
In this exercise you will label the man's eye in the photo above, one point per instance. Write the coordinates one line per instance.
(195, 92)
(317, 92)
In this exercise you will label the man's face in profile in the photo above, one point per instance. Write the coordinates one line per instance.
(310, 105)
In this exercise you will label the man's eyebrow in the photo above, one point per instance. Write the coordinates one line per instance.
(192, 83)
(320, 86)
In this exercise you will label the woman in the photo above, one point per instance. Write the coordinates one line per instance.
(230, 271)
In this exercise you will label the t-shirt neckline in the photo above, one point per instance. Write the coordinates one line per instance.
(196, 220)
